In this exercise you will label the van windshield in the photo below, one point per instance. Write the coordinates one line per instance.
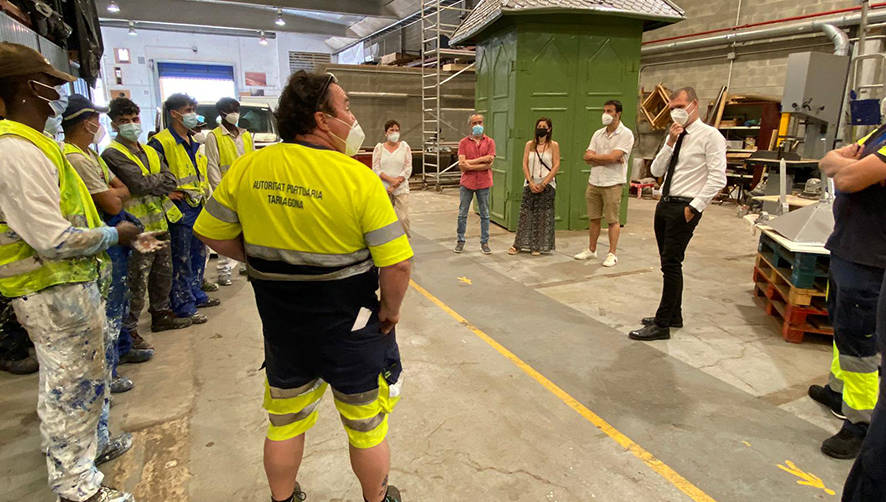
(255, 119)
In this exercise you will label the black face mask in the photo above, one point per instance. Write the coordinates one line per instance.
(540, 132)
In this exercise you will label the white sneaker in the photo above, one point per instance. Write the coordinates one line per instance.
(610, 260)
(586, 254)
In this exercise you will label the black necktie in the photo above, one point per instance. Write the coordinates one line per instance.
(674, 158)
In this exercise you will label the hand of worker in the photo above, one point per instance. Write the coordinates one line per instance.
(401, 180)
(675, 131)
(387, 319)
(176, 196)
(126, 233)
(687, 211)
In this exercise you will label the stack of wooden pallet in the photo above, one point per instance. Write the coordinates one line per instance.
(794, 289)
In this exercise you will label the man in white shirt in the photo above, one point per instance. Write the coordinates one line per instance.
(693, 163)
(608, 157)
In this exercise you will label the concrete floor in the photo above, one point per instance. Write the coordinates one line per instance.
(719, 406)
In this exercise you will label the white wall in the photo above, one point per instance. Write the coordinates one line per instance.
(245, 54)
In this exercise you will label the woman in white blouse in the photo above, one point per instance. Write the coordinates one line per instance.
(392, 161)
(541, 161)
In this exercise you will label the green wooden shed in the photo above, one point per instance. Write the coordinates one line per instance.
(561, 59)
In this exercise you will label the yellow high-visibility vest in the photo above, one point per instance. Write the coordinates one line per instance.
(151, 210)
(22, 270)
(227, 149)
(191, 181)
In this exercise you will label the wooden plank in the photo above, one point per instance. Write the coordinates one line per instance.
(456, 67)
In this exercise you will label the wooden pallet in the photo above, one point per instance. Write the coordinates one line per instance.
(801, 270)
(779, 280)
(796, 321)
(655, 107)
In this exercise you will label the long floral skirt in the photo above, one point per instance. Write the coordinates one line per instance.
(535, 231)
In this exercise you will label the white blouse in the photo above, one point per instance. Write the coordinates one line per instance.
(536, 169)
(394, 164)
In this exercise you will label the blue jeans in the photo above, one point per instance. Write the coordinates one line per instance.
(464, 205)
(188, 263)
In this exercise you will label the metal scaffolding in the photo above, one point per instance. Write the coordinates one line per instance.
(439, 19)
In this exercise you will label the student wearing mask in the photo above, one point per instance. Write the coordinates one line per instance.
(541, 161)
(476, 154)
(392, 162)
(51, 258)
(607, 155)
(693, 163)
(225, 144)
(179, 147)
(145, 173)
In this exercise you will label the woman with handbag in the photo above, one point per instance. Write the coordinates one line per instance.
(541, 161)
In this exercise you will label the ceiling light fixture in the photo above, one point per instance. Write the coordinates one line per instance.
(113, 7)
(263, 40)
(280, 21)
(132, 32)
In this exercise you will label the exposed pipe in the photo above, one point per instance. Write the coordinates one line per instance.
(878, 15)
(761, 23)
(838, 37)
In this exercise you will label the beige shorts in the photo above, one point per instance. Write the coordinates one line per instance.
(604, 202)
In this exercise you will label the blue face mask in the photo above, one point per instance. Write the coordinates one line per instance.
(190, 120)
(477, 130)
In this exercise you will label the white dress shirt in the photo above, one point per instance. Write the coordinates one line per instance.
(603, 143)
(700, 172)
(213, 170)
(394, 164)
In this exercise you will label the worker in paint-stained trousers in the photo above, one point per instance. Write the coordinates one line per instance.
(188, 266)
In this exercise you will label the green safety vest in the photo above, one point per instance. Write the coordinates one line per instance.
(22, 270)
(227, 149)
(151, 210)
(190, 180)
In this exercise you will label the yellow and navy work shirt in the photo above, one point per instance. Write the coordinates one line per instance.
(859, 235)
(307, 213)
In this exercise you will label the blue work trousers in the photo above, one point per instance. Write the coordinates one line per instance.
(188, 263)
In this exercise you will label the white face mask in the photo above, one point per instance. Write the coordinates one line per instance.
(355, 137)
(394, 137)
(607, 119)
(99, 135)
(199, 137)
(232, 118)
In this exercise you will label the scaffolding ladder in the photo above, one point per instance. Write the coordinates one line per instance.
(439, 19)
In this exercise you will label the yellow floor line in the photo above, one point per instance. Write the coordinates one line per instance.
(649, 459)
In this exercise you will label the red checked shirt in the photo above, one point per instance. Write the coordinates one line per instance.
(476, 180)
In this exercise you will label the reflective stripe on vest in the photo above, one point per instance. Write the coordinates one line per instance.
(227, 148)
(22, 270)
(149, 209)
(191, 181)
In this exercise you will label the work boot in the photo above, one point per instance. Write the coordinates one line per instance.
(198, 319)
(106, 494)
(121, 384)
(649, 321)
(116, 446)
(297, 495)
(209, 286)
(210, 302)
(828, 397)
(168, 320)
(138, 342)
(24, 366)
(225, 280)
(393, 495)
(135, 356)
(847, 443)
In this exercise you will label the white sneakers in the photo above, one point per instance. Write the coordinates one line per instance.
(610, 260)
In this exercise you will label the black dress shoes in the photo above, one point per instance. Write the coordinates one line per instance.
(649, 321)
(650, 333)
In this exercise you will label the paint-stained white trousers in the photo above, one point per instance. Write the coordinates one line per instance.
(66, 324)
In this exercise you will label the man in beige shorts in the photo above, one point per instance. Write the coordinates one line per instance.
(607, 155)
